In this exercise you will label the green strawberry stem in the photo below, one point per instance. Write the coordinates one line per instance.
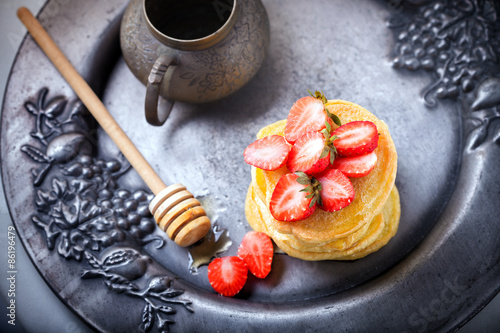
(318, 95)
(329, 146)
(313, 188)
(333, 117)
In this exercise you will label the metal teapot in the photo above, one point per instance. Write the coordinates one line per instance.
(192, 51)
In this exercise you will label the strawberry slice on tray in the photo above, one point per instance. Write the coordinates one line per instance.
(227, 275)
(256, 250)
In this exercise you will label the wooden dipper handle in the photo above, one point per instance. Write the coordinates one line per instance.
(188, 222)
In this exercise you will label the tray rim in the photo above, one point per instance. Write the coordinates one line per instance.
(465, 318)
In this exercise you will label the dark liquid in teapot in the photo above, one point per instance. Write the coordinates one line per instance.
(188, 19)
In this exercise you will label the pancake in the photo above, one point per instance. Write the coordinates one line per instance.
(371, 191)
(381, 229)
(391, 215)
(337, 244)
(385, 224)
(361, 238)
(350, 233)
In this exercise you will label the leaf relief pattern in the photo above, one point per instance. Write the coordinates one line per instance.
(82, 211)
(458, 43)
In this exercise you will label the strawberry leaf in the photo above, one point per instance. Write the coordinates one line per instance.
(313, 189)
(328, 127)
(303, 178)
(303, 181)
(326, 134)
(333, 154)
(333, 117)
(325, 153)
(318, 95)
(309, 189)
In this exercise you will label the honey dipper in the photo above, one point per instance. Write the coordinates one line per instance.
(175, 209)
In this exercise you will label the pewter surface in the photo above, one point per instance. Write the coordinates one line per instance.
(442, 260)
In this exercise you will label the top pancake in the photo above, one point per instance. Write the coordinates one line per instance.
(371, 191)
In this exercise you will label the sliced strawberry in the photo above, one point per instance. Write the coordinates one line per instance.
(288, 201)
(256, 250)
(269, 153)
(356, 138)
(227, 275)
(307, 154)
(356, 166)
(336, 191)
(306, 115)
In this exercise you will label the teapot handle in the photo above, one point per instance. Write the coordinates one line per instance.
(154, 116)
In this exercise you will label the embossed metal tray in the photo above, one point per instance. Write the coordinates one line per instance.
(428, 69)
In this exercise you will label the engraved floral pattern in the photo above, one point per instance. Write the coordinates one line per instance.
(83, 213)
(458, 42)
(247, 47)
(124, 266)
(485, 119)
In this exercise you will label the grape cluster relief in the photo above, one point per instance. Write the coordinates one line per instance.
(458, 43)
(86, 216)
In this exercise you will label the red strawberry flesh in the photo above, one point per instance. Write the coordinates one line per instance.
(305, 154)
(356, 138)
(269, 153)
(256, 250)
(356, 166)
(288, 203)
(227, 275)
(336, 192)
(306, 115)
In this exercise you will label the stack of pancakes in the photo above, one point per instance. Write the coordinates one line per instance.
(353, 232)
